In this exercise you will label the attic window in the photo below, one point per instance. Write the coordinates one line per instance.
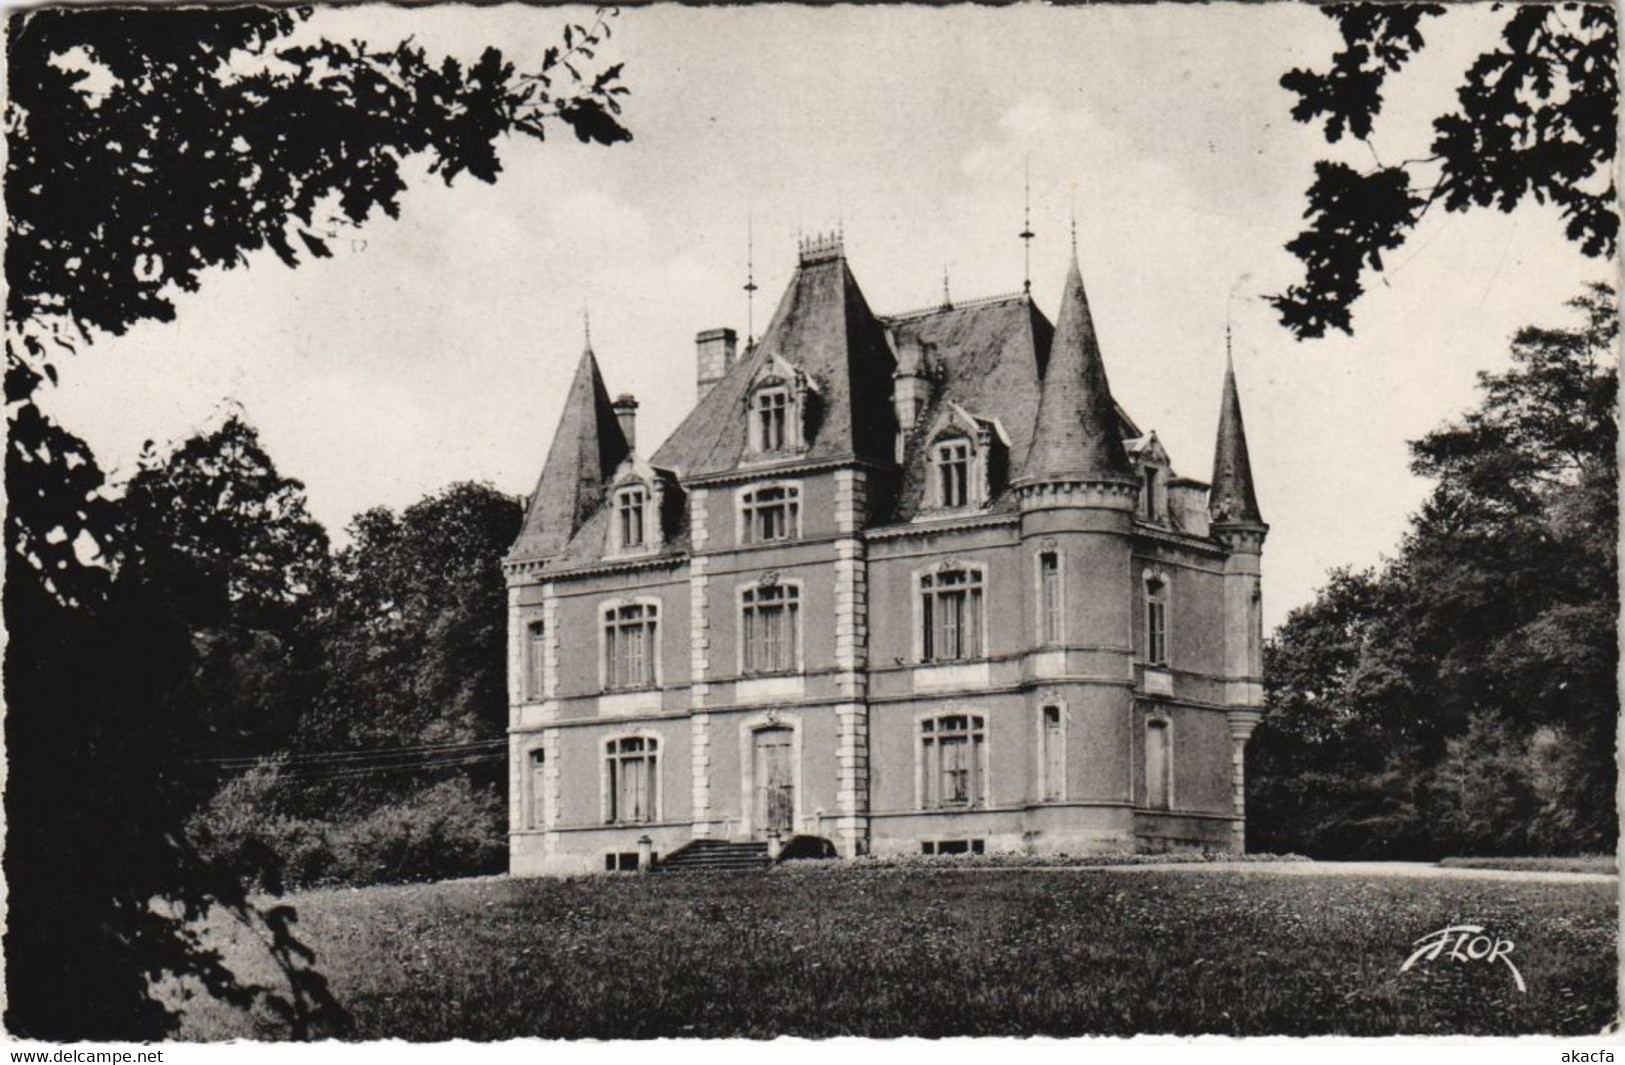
(1150, 509)
(630, 507)
(952, 460)
(771, 425)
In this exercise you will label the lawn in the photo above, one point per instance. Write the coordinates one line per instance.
(889, 952)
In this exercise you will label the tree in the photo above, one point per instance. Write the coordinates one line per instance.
(413, 635)
(146, 147)
(1463, 696)
(213, 531)
(1537, 118)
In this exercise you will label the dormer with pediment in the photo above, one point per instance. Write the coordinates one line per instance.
(781, 403)
(968, 458)
(645, 504)
(1155, 471)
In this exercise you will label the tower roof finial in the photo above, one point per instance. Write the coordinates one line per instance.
(586, 327)
(750, 281)
(1027, 227)
(947, 300)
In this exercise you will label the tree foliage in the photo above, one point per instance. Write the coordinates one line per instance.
(1536, 118)
(146, 148)
(1463, 696)
(413, 637)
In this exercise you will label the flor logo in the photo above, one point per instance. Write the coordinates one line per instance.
(1464, 943)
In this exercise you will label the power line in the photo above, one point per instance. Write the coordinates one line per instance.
(344, 757)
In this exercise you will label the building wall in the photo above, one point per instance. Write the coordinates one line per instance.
(1095, 675)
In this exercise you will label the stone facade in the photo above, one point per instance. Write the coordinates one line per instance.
(975, 611)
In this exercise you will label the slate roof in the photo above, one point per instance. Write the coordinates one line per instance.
(824, 327)
(1232, 498)
(999, 359)
(587, 447)
(1077, 432)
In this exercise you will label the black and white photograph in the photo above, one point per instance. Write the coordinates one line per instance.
(797, 522)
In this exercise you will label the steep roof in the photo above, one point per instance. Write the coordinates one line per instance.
(987, 358)
(1077, 432)
(1232, 499)
(824, 327)
(587, 447)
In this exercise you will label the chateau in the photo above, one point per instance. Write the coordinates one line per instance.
(905, 584)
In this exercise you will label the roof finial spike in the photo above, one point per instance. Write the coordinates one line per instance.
(947, 301)
(1074, 220)
(1229, 360)
(1027, 227)
(586, 326)
(750, 281)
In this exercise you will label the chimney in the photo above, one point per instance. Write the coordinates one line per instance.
(715, 348)
(626, 412)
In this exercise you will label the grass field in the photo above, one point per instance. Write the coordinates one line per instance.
(936, 953)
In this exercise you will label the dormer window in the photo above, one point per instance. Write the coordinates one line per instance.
(771, 419)
(631, 507)
(953, 460)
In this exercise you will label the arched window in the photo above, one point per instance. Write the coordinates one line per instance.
(631, 512)
(537, 784)
(771, 512)
(1156, 620)
(633, 790)
(951, 615)
(770, 628)
(953, 761)
(630, 634)
(1052, 753)
(1050, 603)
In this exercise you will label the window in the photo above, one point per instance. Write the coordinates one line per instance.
(1158, 764)
(772, 418)
(953, 846)
(538, 789)
(1156, 621)
(629, 645)
(633, 785)
(772, 513)
(1053, 755)
(535, 660)
(952, 459)
(771, 628)
(1049, 597)
(952, 756)
(1148, 494)
(630, 506)
(951, 615)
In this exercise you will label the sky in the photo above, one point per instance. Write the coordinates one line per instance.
(437, 348)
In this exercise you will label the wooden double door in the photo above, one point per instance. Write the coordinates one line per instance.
(773, 774)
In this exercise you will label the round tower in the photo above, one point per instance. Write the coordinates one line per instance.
(1077, 494)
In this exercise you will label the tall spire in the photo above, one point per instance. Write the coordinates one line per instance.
(1076, 436)
(587, 447)
(1231, 500)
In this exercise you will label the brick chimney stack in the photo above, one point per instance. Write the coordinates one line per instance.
(716, 349)
(626, 412)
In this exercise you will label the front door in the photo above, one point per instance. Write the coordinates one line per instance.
(775, 782)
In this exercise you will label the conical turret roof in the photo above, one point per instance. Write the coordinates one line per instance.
(1076, 435)
(1231, 500)
(587, 447)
